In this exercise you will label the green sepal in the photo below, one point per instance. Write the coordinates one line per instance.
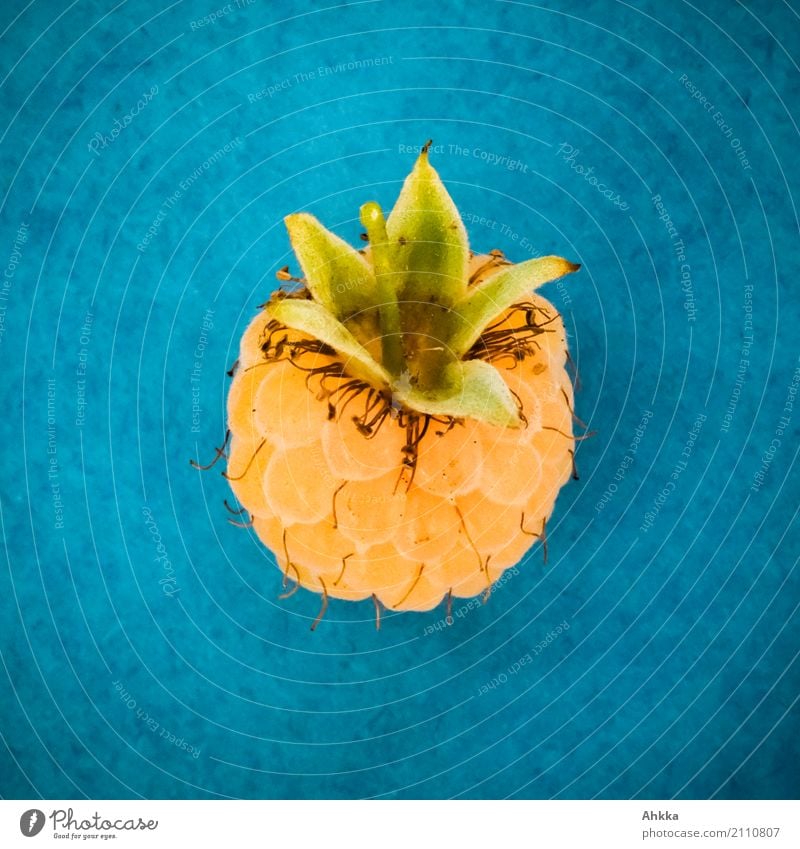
(338, 276)
(312, 318)
(471, 389)
(429, 242)
(497, 293)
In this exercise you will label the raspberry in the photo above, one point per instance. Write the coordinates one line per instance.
(402, 423)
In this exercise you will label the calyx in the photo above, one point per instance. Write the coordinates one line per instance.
(401, 314)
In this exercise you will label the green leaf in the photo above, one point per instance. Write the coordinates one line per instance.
(498, 292)
(430, 247)
(313, 319)
(473, 389)
(338, 276)
(387, 306)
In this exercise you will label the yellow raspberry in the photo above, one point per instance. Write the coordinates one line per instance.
(401, 424)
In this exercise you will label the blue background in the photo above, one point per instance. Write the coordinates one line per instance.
(678, 674)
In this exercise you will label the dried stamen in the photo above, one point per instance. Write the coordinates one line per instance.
(472, 544)
(344, 564)
(377, 612)
(247, 467)
(295, 588)
(411, 588)
(220, 452)
(333, 503)
(323, 608)
(575, 475)
(572, 412)
(248, 524)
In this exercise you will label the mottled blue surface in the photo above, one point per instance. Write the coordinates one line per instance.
(678, 673)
